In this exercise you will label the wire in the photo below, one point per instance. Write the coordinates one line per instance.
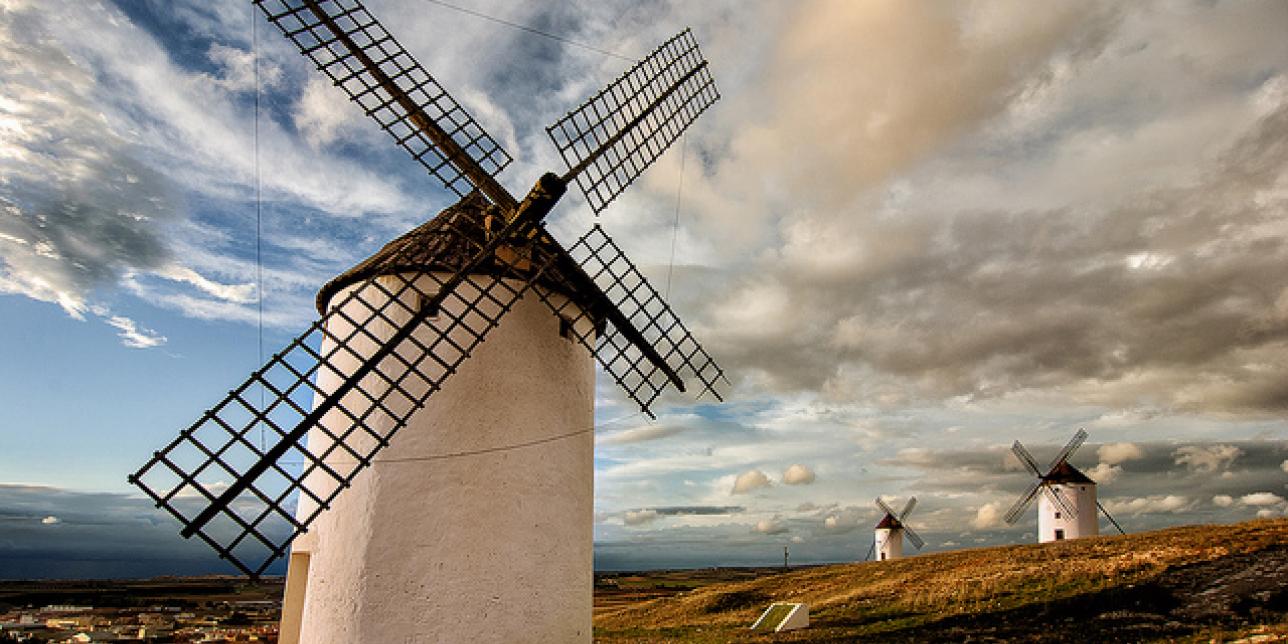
(531, 30)
(675, 227)
(488, 450)
(259, 259)
(506, 448)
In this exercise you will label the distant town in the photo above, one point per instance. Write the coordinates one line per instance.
(232, 609)
(163, 610)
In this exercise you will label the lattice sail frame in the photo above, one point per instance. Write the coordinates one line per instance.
(392, 63)
(675, 74)
(629, 292)
(309, 460)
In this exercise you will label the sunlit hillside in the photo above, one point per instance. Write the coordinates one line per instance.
(1198, 583)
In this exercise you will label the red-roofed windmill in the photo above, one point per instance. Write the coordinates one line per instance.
(1067, 502)
(887, 541)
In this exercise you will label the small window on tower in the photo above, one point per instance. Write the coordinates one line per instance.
(565, 328)
(1057, 515)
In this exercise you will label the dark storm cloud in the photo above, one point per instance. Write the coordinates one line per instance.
(1177, 293)
(51, 533)
(697, 510)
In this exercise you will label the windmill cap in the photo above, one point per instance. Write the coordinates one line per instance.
(888, 522)
(1066, 473)
(434, 246)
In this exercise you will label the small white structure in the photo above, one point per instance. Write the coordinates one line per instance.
(1054, 522)
(475, 524)
(782, 616)
(887, 541)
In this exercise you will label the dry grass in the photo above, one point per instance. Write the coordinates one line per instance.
(908, 598)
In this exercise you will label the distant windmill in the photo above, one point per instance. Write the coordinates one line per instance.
(477, 521)
(887, 541)
(1067, 498)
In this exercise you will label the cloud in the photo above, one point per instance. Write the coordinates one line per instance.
(798, 474)
(1119, 453)
(49, 520)
(1207, 458)
(988, 516)
(134, 336)
(111, 148)
(844, 520)
(1223, 500)
(237, 69)
(1170, 503)
(1104, 473)
(926, 273)
(771, 526)
(797, 539)
(1284, 466)
(321, 116)
(698, 510)
(1259, 499)
(640, 517)
(645, 516)
(641, 434)
(750, 480)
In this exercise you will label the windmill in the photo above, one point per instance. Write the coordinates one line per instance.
(1067, 502)
(887, 541)
(478, 518)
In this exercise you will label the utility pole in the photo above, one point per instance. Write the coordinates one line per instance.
(784, 557)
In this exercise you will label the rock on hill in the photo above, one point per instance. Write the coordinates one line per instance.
(1199, 583)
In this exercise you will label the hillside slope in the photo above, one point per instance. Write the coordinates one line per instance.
(1183, 583)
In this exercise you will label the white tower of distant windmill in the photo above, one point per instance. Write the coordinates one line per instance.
(1067, 505)
(887, 540)
(475, 522)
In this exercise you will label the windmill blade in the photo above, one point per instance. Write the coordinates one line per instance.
(360, 57)
(886, 508)
(647, 346)
(872, 550)
(914, 537)
(1073, 444)
(1110, 517)
(1026, 458)
(618, 133)
(249, 498)
(1057, 497)
(1022, 504)
(907, 509)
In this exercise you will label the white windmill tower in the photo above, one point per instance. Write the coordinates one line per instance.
(1067, 502)
(476, 522)
(887, 540)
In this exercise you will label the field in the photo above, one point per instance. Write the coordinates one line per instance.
(1198, 583)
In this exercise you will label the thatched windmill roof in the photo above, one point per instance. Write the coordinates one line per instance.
(437, 245)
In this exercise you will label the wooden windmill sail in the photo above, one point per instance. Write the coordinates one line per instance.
(396, 328)
(887, 541)
(1067, 505)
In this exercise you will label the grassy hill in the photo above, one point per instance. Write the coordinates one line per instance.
(1196, 583)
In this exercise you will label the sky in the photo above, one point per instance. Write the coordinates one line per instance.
(911, 233)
